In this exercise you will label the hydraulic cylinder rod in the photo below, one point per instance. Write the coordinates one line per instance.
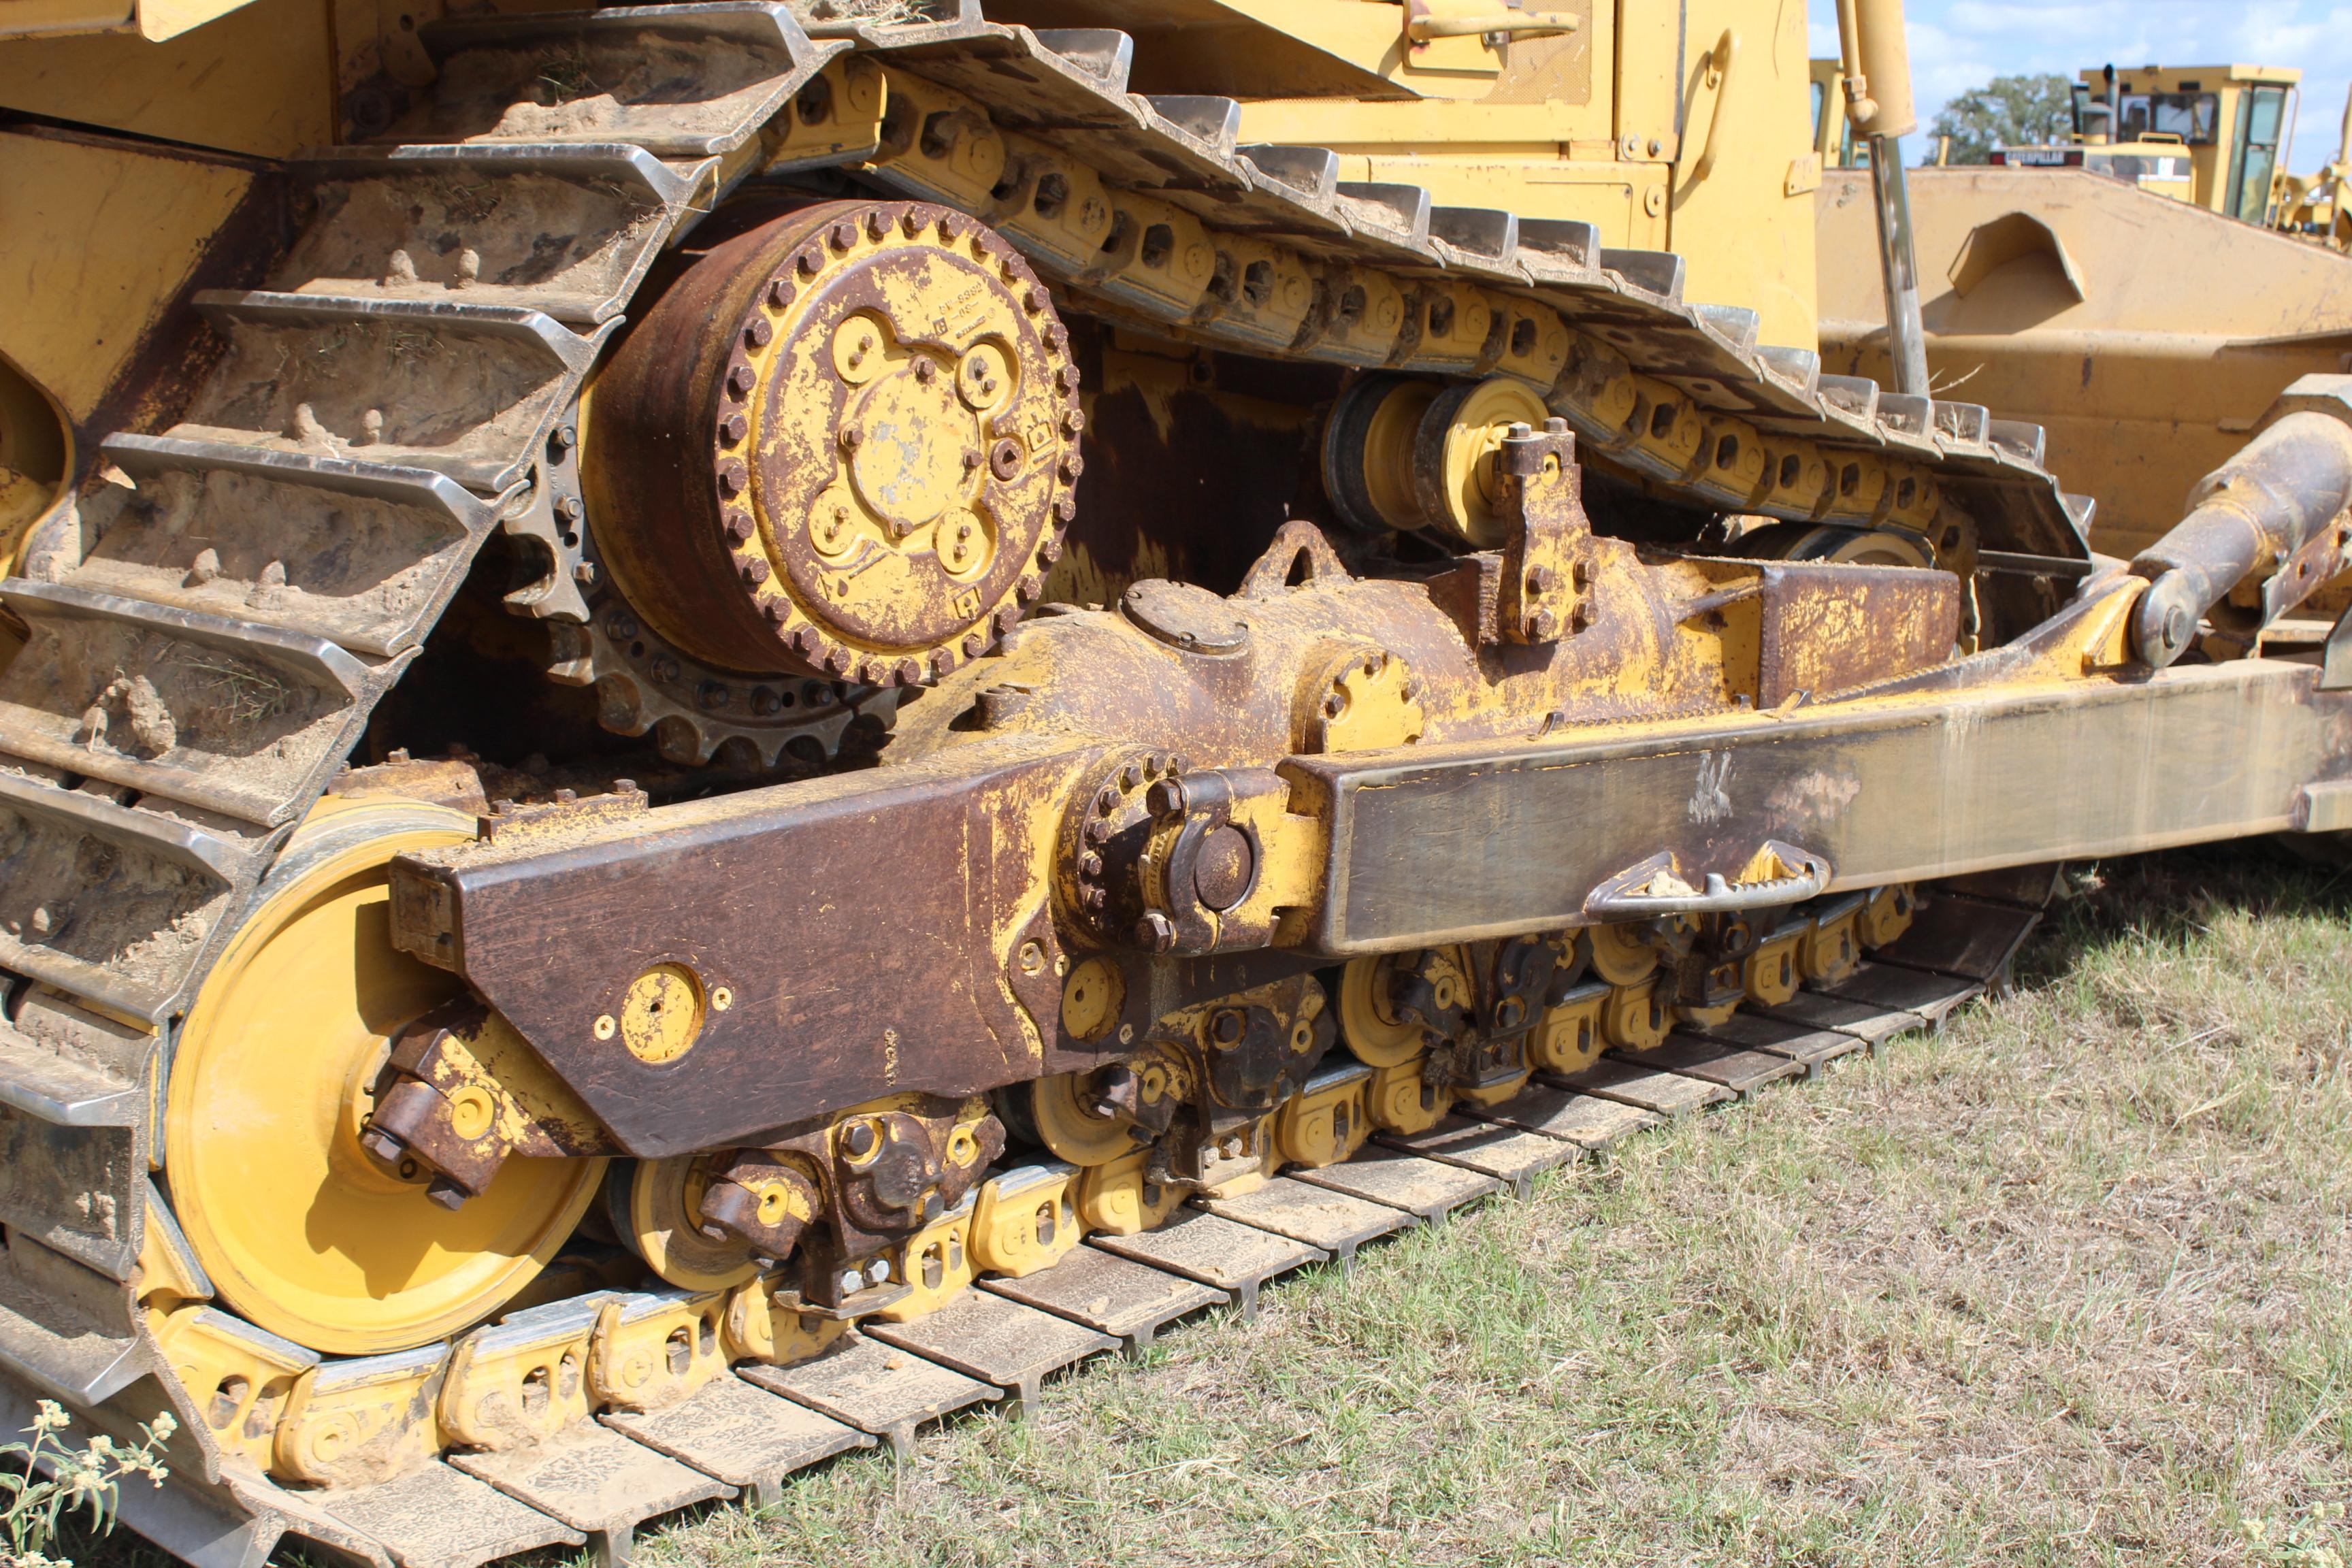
(2252, 516)
(1877, 69)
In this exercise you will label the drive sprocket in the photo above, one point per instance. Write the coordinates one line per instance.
(843, 445)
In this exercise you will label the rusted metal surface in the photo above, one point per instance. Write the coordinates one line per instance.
(960, 976)
(869, 414)
(713, 981)
(2227, 748)
(2265, 532)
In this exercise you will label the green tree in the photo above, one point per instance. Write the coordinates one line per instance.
(2007, 111)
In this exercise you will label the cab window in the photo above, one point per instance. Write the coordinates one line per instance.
(2262, 115)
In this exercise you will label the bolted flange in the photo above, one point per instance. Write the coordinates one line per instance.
(837, 446)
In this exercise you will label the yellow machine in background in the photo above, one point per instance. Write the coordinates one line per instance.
(2133, 290)
(726, 724)
(2219, 137)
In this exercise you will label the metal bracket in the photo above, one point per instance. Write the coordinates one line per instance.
(1547, 565)
(2336, 663)
(1652, 888)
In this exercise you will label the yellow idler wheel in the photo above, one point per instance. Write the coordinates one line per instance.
(1620, 956)
(1377, 1036)
(1071, 1128)
(1402, 453)
(1633, 1019)
(1454, 450)
(1886, 916)
(1568, 1039)
(302, 1232)
(656, 1207)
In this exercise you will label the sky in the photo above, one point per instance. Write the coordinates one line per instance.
(1960, 44)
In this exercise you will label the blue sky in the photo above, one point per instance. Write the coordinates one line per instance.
(1960, 44)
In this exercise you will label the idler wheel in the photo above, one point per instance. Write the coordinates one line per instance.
(301, 1230)
(1402, 453)
(842, 444)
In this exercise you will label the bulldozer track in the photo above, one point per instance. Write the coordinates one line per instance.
(409, 383)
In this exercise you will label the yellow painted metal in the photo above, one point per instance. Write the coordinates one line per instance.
(169, 1276)
(758, 1329)
(1389, 451)
(844, 117)
(237, 1379)
(150, 19)
(519, 1383)
(1121, 1199)
(351, 1423)
(1569, 1040)
(2069, 299)
(300, 1230)
(1372, 1031)
(1067, 1122)
(1740, 209)
(1360, 699)
(83, 306)
(1470, 476)
(936, 1265)
(35, 455)
(662, 1014)
(662, 1213)
(1771, 973)
(1400, 1099)
(1091, 998)
(1829, 951)
(1328, 1120)
(1886, 916)
(1493, 1093)
(260, 80)
(1026, 1220)
(651, 1351)
(1635, 1017)
(1620, 954)
(1879, 46)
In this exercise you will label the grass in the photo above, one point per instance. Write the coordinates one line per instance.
(2069, 1283)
